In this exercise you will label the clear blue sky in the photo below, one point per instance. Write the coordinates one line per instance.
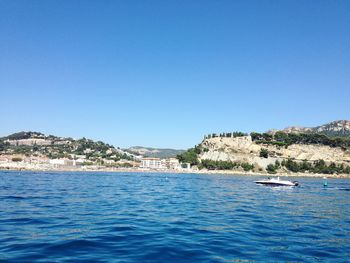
(164, 73)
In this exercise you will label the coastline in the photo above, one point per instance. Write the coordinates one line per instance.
(207, 172)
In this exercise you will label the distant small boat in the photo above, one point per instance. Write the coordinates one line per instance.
(277, 182)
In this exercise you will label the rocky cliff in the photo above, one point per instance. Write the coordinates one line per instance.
(324, 149)
(244, 149)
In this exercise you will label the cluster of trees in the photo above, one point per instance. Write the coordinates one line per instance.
(319, 166)
(24, 135)
(286, 139)
(4, 145)
(224, 165)
(190, 156)
(79, 146)
(23, 149)
(226, 134)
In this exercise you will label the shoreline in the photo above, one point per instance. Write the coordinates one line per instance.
(207, 172)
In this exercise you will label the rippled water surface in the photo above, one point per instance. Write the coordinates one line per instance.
(136, 217)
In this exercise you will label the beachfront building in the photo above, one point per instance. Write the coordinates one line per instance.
(157, 163)
(66, 162)
(151, 163)
(186, 166)
(171, 163)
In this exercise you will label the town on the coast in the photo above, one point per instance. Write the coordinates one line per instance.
(322, 150)
(36, 151)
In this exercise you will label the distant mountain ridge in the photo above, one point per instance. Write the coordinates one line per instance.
(154, 152)
(339, 128)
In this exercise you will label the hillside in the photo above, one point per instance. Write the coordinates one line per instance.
(153, 152)
(280, 151)
(40, 145)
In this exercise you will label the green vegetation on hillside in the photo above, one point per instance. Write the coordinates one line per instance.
(57, 147)
(23, 135)
(272, 168)
(3, 145)
(190, 156)
(264, 153)
(224, 165)
(286, 139)
(319, 166)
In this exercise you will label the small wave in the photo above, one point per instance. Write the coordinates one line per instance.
(122, 228)
(15, 197)
(337, 188)
(72, 245)
(27, 220)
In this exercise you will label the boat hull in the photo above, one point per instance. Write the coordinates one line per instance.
(277, 183)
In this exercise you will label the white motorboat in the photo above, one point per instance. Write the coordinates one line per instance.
(277, 182)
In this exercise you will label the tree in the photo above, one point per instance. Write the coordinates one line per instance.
(190, 156)
(277, 164)
(264, 153)
(271, 169)
(283, 163)
(4, 145)
(267, 136)
(197, 149)
(247, 167)
(255, 136)
(305, 166)
(292, 166)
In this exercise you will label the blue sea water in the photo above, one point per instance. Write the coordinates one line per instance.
(145, 217)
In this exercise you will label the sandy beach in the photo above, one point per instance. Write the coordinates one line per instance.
(47, 168)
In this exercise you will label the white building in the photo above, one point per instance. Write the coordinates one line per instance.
(152, 163)
(29, 142)
(57, 161)
(157, 163)
(65, 162)
(171, 163)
